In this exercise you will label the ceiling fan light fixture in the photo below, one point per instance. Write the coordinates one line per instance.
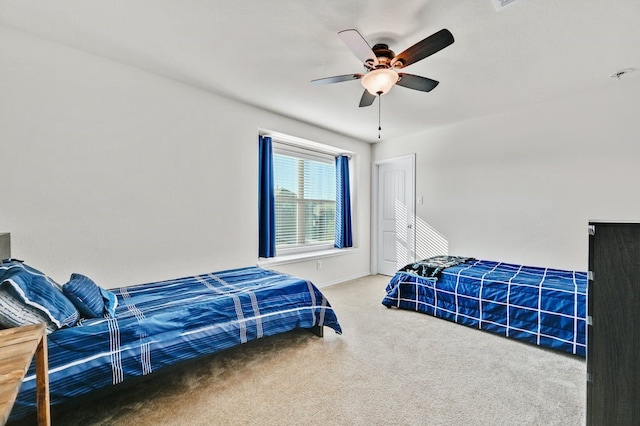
(380, 81)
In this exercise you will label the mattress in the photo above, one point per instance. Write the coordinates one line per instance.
(543, 306)
(162, 323)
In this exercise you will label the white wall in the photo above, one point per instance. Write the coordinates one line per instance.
(130, 177)
(522, 186)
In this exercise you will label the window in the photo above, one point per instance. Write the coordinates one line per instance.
(305, 199)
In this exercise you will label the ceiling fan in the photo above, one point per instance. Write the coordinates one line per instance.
(382, 64)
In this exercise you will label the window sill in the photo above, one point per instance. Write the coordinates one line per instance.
(301, 257)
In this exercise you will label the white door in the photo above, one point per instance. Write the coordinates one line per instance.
(395, 214)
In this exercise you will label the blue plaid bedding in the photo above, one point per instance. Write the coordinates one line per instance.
(159, 324)
(543, 306)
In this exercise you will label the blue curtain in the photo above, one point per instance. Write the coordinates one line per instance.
(266, 202)
(344, 237)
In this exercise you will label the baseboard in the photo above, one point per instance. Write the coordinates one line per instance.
(342, 280)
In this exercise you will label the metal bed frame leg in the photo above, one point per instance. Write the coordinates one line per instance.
(318, 330)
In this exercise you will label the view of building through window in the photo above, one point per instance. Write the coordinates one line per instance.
(305, 199)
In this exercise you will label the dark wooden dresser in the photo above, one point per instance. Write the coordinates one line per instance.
(613, 333)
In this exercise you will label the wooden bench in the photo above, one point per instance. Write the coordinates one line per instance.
(17, 347)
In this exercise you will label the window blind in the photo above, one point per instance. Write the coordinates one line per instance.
(305, 199)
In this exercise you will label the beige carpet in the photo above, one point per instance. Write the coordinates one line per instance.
(390, 367)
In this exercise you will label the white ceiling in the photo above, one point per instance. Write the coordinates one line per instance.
(266, 52)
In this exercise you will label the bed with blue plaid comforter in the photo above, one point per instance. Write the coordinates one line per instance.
(543, 306)
(160, 324)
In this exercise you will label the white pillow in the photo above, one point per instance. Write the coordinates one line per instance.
(15, 313)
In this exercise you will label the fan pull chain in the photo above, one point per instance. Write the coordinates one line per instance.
(379, 113)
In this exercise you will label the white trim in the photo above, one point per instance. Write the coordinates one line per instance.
(374, 204)
(394, 159)
(343, 280)
(301, 152)
(301, 257)
(304, 143)
(304, 248)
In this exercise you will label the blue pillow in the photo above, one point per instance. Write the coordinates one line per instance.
(38, 291)
(85, 295)
(110, 302)
(7, 265)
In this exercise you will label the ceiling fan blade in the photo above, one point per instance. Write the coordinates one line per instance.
(367, 99)
(427, 47)
(336, 79)
(416, 82)
(358, 46)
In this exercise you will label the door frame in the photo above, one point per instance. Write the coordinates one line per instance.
(375, 199)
